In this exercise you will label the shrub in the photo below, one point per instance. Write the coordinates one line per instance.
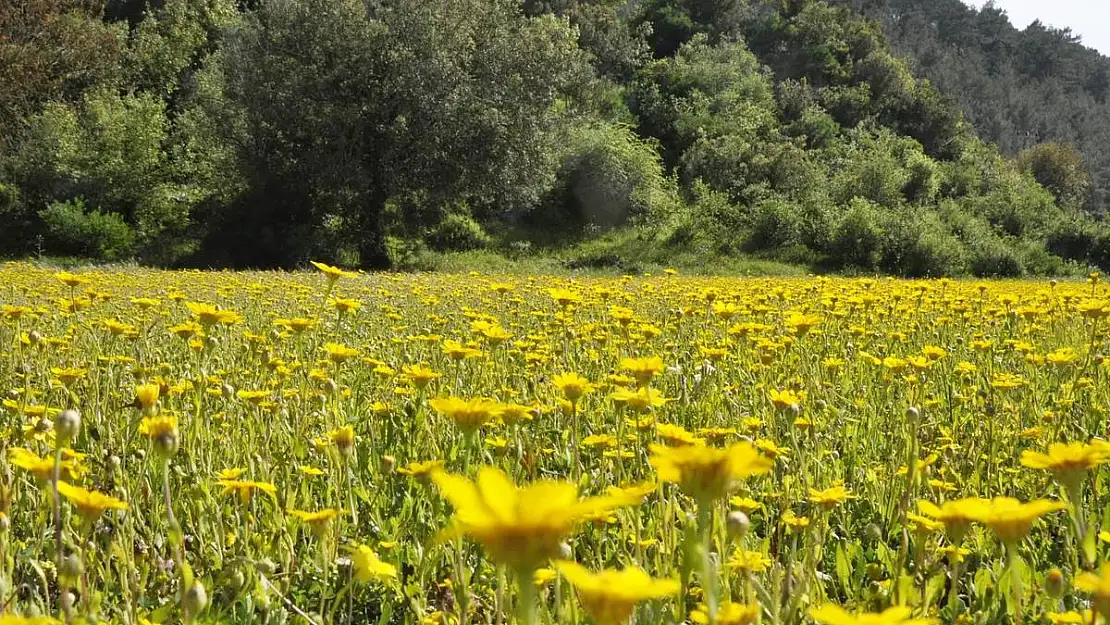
(856, 240)
(919, 246)
(71, 229)
(773, 224)
(457, 232)
(611, 176)
(1073, 239)
(992, 258)
(1100, 252)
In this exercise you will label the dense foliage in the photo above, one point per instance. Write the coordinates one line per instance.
(1019, 88)
(214, 132)
(338, 448)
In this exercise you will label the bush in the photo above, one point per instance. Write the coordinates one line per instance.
(1100, 252)
(857, 238)
(457, 232)
(919, 246)
(9, 198)
(611, 176)
(992, 258)
(71, 229)
(773, 224)
(1073, 239)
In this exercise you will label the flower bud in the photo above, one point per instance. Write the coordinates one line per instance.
(196, 599)
(565, 551)
(71, 569)
(873, 532)
(388, 464)
(912, 415)
(67, 600)
(738, 524)
(166, 443)
(67, 425)
(1054, 583)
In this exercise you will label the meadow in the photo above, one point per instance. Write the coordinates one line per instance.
(335, 447)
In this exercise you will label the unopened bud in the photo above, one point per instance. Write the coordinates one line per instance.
(71, 569)
(67, 425)
(873, 532)
(196, 599)
(565, 551)
(912, 414)
(1054, 583)
(738, 524)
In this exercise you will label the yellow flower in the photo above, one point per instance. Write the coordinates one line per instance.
(641, 400)
(343, 437)
(41, 468)
(1069, 618)
(728, 613)
(147, 396)
(245, 488)
(708, 472)
(565, 297)
(318, 518)
(468, 414)
(748, 561)
(419, 375)
(71, 280)
(924, 524)
(12, 619)
(157, 427)
(208, 315)
(1011, 519)
(369, 567)
(333, 273)
(830, 614)
(339, 353)
(543, 577)
(642, 368)
(511, 414)
(745, 504)
(956, 514)
(344, 305)
(785, 399)
(794, 521)
(89, 503)
(1098, 586)
(230, 474)
(676, 435)
(611, 595)
(521, 527)
(572, 386)
(420, 469)
(1068, 461)
(830, 497)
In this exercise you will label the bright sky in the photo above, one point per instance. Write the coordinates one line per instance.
(1088, 18)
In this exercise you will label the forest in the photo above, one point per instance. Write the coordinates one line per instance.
(905, 137)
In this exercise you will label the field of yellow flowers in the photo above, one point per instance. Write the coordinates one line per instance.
(333, 447)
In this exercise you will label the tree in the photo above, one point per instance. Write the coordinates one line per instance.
(1059, 168)
(50, 50)
(344, 107)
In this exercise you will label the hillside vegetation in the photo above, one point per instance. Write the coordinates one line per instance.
(383, 133)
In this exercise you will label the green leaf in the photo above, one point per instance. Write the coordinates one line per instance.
(934, 587)
(844, 571)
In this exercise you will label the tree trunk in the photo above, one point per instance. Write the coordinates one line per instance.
(372, 254)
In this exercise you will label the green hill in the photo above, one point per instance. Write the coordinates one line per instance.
(399, 133)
